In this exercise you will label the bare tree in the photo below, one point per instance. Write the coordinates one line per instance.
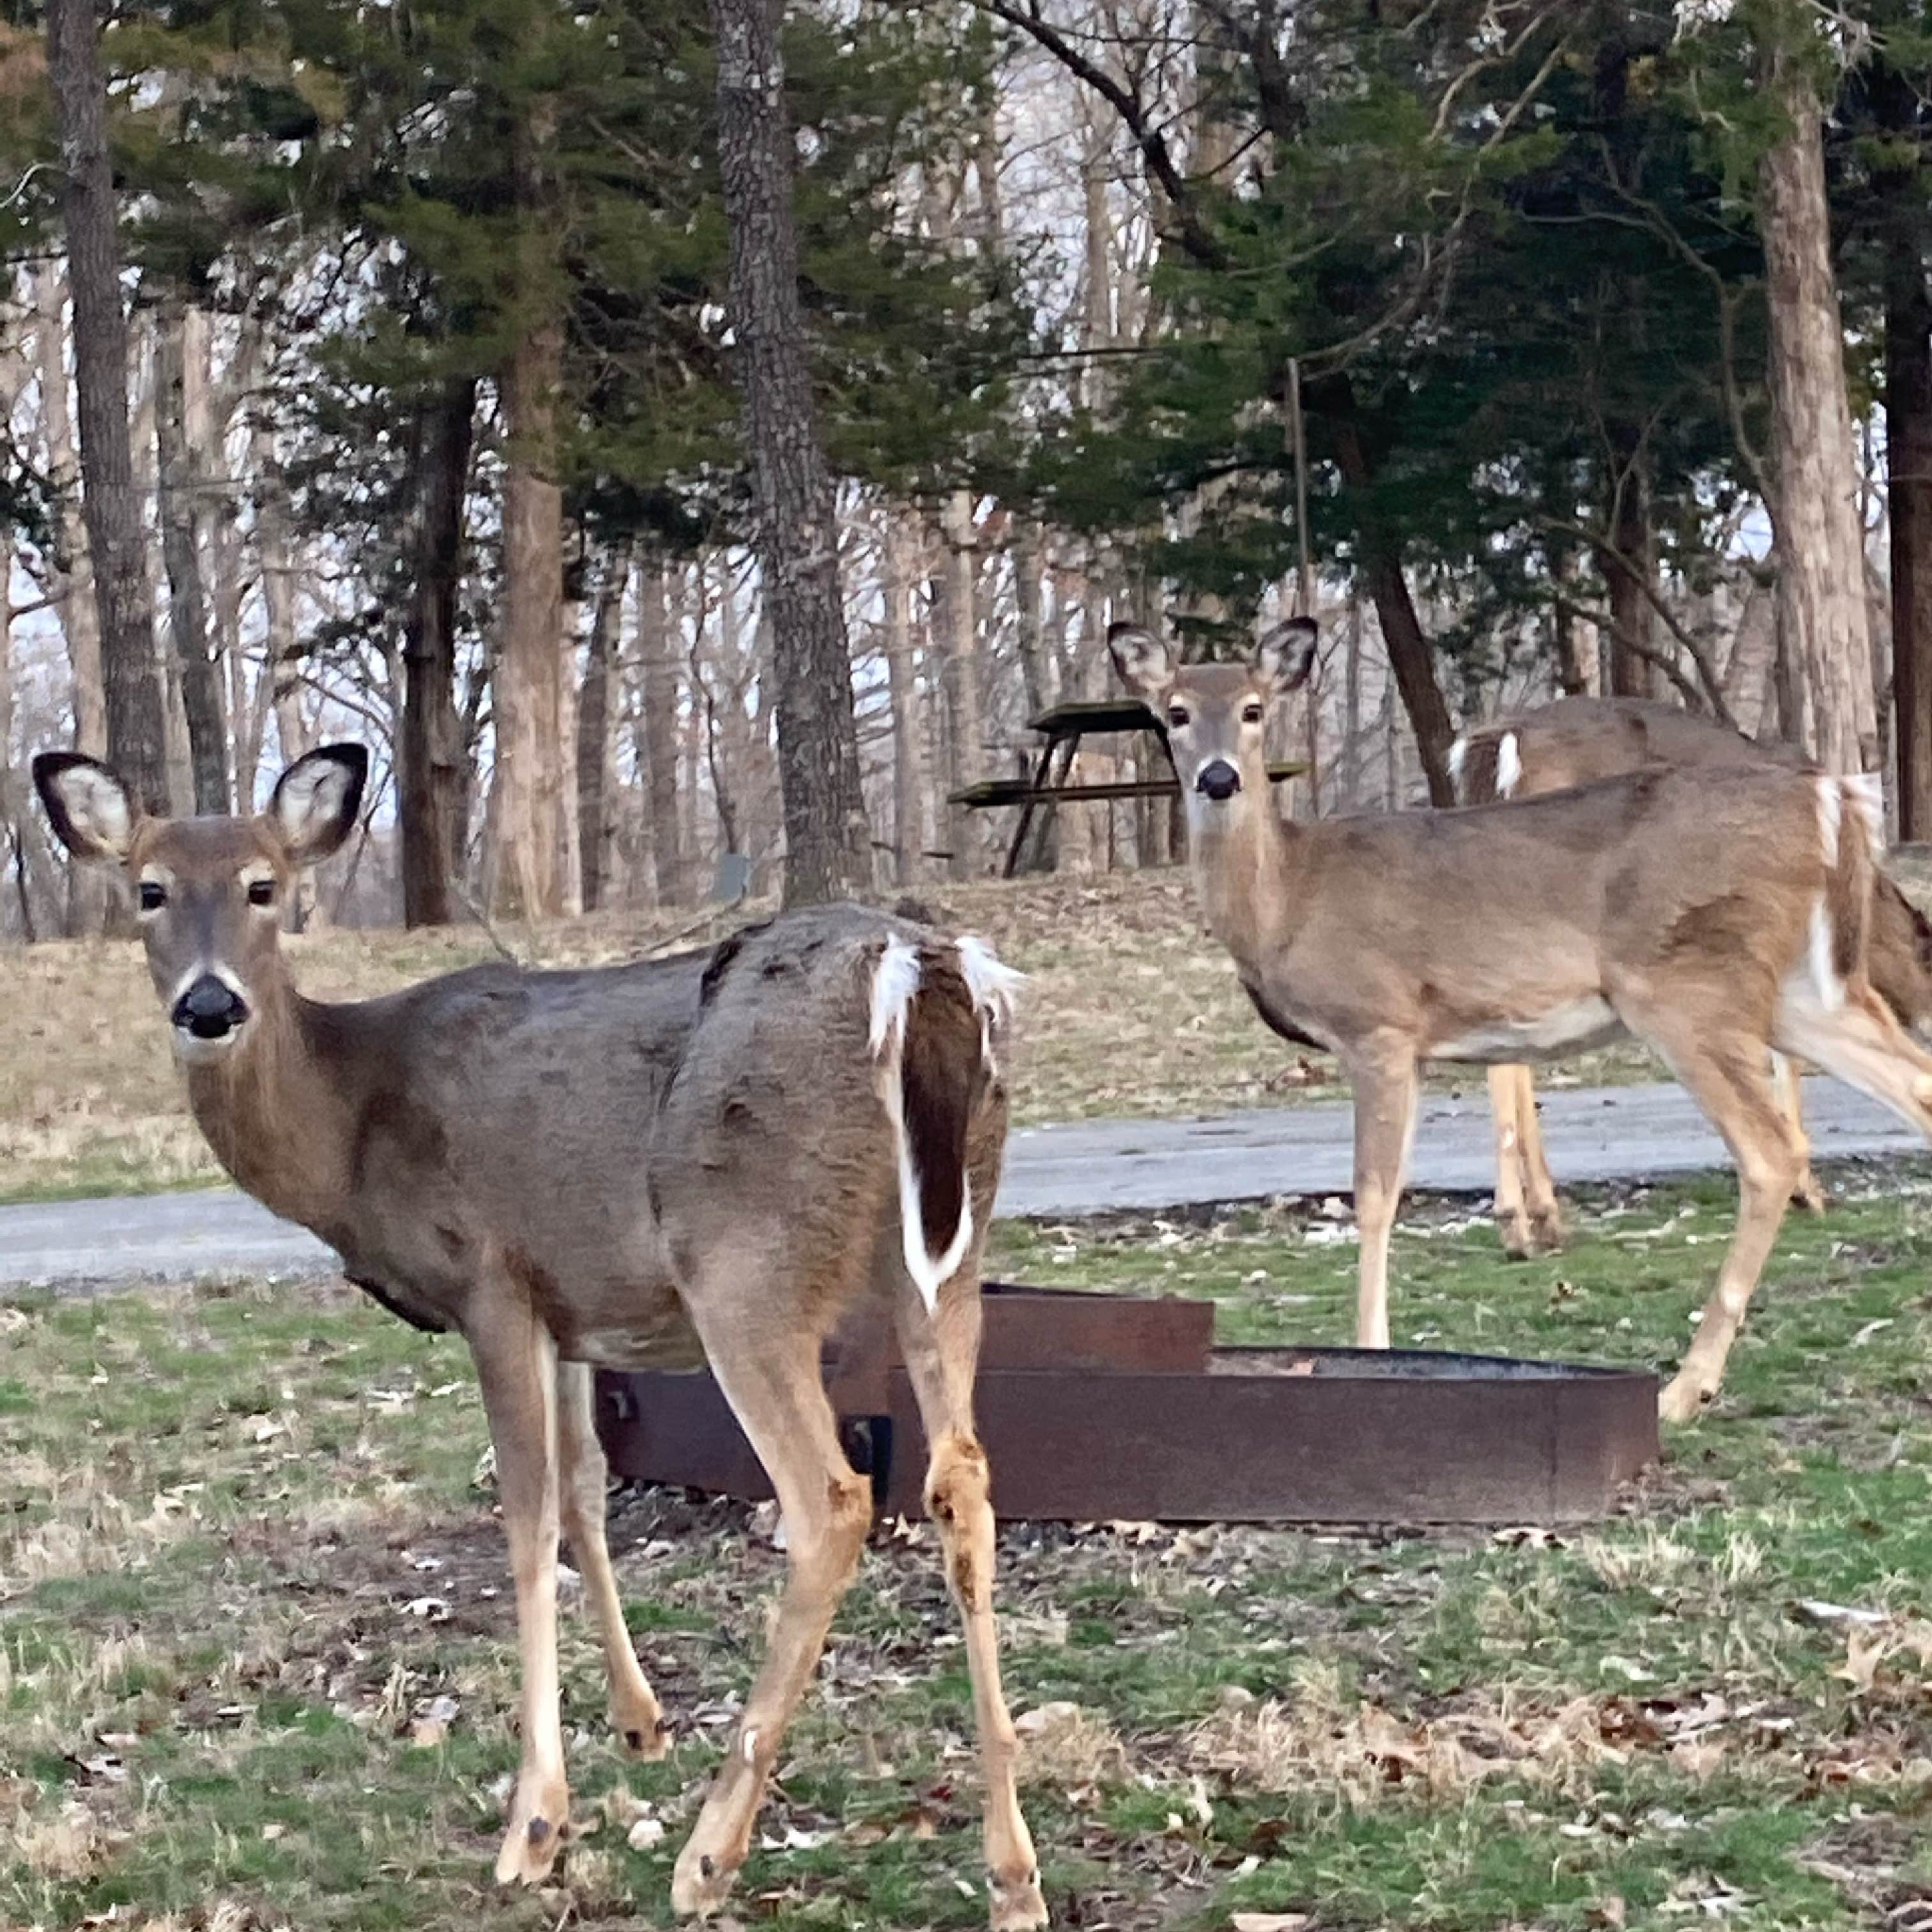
(526, 798)
(596, 822)
(1821, 598)
(827, 846)
(180, 368)
(135, 736)
(656, 740)
(434, 760)
(908, 790)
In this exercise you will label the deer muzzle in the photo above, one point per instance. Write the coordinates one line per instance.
(1217, 779)
(210, 1009)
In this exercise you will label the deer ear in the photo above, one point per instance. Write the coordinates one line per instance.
(1145, 664)
(315, 801)
(92, 811)
(1285, 657)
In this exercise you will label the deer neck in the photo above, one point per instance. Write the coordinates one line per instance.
(1241, 861)
(276, 1111)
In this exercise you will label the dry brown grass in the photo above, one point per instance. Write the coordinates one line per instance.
(1132, 1009)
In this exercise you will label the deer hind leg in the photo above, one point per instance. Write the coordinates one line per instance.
(1805, 1192)
(1382, 1074)
(1539, 1186)
(516, 1364)
(1726, 1074)
(582, 1480)
(771, 1378)
(1861, 1043)
(1511, 1211)
(941, 1350)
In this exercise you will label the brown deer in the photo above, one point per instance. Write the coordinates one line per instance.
(1714, 915)
(710, 1158)
(1577, 741)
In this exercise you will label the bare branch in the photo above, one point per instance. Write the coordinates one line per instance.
(1193, 236)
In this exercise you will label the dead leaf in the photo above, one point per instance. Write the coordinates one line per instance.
(1698, 1757)
(1863, 1653)
(1269, 1921)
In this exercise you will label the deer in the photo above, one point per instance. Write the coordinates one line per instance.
(713, 1158)
(1713, 915)
(1577, 741)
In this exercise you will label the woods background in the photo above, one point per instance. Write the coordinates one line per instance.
(1606, 331)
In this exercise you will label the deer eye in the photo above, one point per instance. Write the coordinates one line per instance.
(153, 895)
(1178, 716)
(261, 891)
(1251, 711)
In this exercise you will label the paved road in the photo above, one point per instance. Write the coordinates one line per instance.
(1604, 1133)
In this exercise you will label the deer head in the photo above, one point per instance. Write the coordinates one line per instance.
(208, 891)
(1214, 712)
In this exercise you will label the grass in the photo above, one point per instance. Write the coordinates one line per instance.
(256, 1662)
(1132, 1009)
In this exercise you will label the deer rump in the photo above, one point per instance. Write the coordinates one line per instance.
(773, 1099)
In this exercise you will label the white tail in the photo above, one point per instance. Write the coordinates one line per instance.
(927, 1084)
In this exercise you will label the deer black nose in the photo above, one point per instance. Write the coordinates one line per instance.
(1218, 779)
(210, 1009)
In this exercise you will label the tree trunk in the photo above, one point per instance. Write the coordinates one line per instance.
(1409, 656)
(1821, 581)
(526, 795)
(963, 732)
(248, 697)
(596, 822)
(1349, 780)
(73, 585)
(433, 760)
(125, 608)
(827, 846)
(1908, 438)
(181, 552)
(1630, 562)
(657, 737)
(1028, 637)
(908, 784)
(13, 373)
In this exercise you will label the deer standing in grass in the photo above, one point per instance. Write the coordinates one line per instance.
(1579, 741)
(712, 1158)
(1714, 915)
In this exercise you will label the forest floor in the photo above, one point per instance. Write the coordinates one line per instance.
(257, 1667)
(1132, 1009)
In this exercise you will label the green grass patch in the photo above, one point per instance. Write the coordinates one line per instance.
(246, 1575)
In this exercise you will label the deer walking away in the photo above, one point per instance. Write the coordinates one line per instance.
(712, 1158)
(1579, 741)
(1717, 915)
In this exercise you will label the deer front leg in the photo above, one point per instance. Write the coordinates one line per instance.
(1726, 1075)
(941, 1351)
(1539, 1187)
(582, 1477)
(516, 1364)
(1512, 1219)
(777, 1395)
(1382, 1072)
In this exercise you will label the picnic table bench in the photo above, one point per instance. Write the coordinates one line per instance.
(1062, 726)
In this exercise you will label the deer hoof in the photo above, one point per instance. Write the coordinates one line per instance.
(1548, 1232)
(1513, 1231)
(1808, 1194)
(536, 1832)
(701, 1882)
(642, 1729)
(1683, 1400)
(1017, 1905)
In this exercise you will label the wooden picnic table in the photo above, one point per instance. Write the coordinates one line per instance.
(1062, 726)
